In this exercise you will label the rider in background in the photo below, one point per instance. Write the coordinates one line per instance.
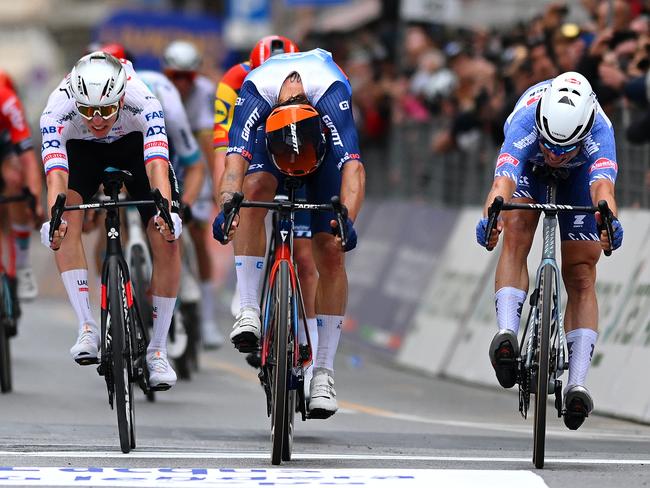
(20, 168)
(293, 97)
(181, 62)
(100, 116)
(249, 268)
(557, 123)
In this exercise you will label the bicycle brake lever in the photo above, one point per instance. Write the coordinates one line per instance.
(606, 216)
(341, 217)
(493, 214)
(230, 211)
(163, 207)
(57, 214)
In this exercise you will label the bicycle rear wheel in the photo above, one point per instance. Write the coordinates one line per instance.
(6, 318)
(279, 387)
(121, 357)
(541, 395)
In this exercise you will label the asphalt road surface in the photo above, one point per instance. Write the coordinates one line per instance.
(394, 428)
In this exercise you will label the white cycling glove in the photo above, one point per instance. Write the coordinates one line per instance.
(176, 220)
(45, 233)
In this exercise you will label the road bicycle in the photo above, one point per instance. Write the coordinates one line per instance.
(282, 360)
(9, 305)
(543, 343)
(122, 360)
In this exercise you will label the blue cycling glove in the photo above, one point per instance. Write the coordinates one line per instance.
(617, 238)
(350, 235)
(217, 228)
(481, 231)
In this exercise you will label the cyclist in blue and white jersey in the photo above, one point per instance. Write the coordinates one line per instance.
(299, 107)
(181, 62)
(559, 124)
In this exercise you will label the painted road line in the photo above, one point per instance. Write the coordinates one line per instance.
(525, 430)
(307, 457)
(227, 478)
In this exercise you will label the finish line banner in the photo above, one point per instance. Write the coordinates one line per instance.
(227, 478)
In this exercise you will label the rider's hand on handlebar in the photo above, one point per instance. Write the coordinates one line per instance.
(481, 233)
(617, 238)
(350, 234)
(162, 227)
(217, 228)
(59, 234)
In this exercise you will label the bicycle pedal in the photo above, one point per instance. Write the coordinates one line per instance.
(160, 387)
(319, 413)
(87, 361)
(246, 342)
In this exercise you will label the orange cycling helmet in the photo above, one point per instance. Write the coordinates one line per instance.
(295, 139)
(269, 46)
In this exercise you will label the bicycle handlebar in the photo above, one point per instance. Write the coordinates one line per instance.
(498, 205)
(60, 207)
(232, 206)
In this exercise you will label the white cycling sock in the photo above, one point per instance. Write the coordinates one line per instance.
(76, 284)
(509, 302)
(21, 234)
(312, 326)
(207, 301)
(329, 333)
(581, 343)
(249, 275)
(163, 310)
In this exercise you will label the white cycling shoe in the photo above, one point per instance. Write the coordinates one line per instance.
(161, 374)
(27, 288)
(246, 331)
(322, 401)
(211, 335)
(86, 349)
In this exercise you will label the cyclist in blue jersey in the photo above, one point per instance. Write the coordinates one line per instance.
(557, 123)
(299, 107)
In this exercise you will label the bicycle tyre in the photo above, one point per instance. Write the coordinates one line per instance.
(279, 392)
(5, 349)
(121, 358)
(543, 349)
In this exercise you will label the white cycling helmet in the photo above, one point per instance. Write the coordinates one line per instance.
(98, 79)
(181, 56)
(567, 110)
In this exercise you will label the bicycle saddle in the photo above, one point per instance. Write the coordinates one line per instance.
(114, 178)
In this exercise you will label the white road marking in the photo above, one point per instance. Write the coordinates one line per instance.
(227, 478)
(305, 456)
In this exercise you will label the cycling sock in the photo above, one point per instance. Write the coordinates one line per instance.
(163, 309)
(249, 274)
(509, 302)
(312, 326)
(581, 343)
(329, 333)
(21, 235)
(207, 301)
(76, 284)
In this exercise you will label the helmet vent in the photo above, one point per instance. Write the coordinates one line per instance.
(82, 87)
(566, 100)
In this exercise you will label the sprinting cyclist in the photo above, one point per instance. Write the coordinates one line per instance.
(299, 106)
(20, 168)
(181, 62)
(250, 269)
(100, 115)
(557, 123)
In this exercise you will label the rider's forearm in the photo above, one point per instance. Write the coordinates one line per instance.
(57, 182)
(353, 187)
(33, 173)
(604, 190)
(501, 187)
(158, 174)
(233, 177)
(193, 183)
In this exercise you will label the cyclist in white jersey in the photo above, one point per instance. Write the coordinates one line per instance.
(181, 62)
(101, 115)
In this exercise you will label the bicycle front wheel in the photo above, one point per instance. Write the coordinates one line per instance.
(279, 390)
(6, 318)
(541, 395)
(121, 357)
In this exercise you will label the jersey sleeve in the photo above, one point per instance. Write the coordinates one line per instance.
(179, 132)
(335, 107)
(13, 112)
(53, 151)
(250, 111)
(154, 132)
(601, 148)
(224, 103)
(520, 143)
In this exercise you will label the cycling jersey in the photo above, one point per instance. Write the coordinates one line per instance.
(224, 103)
(13, 121)
(184, 150)
(521, 145)
(141, 112)
(199, 103)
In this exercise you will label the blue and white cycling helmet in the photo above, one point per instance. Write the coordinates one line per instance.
(567, 110)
